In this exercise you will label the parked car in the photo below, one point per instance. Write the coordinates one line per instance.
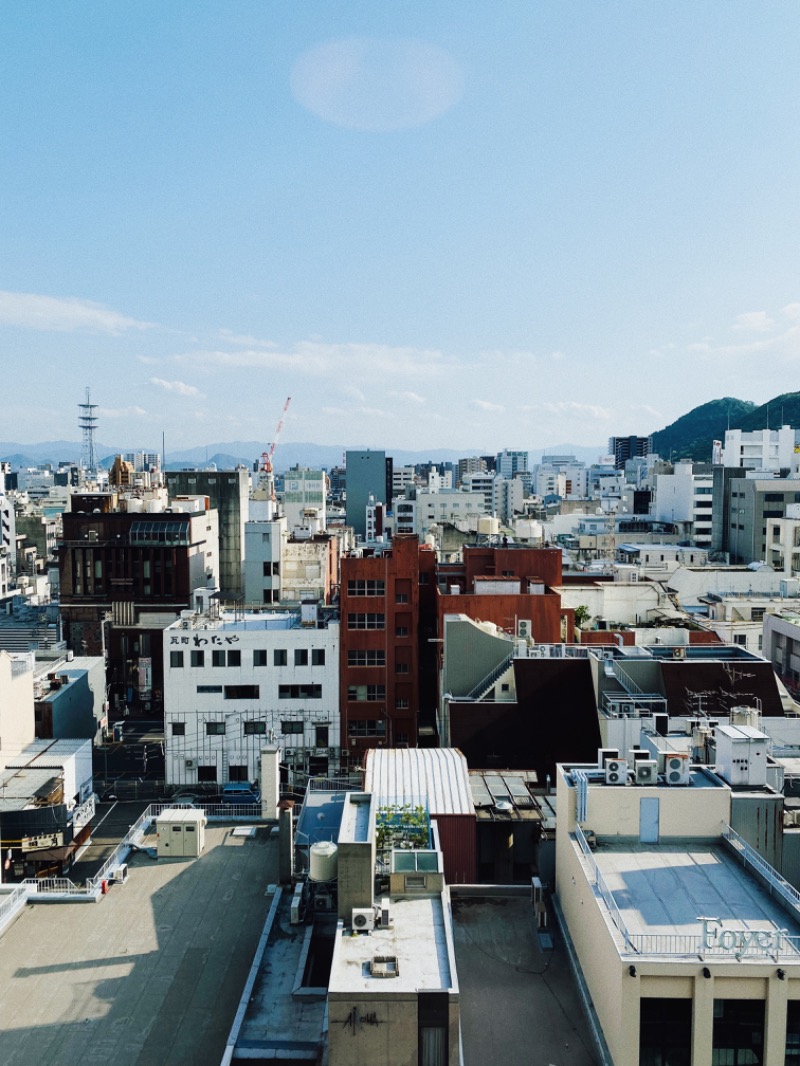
(240, 793)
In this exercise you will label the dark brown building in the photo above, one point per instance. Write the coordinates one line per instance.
(125, 575)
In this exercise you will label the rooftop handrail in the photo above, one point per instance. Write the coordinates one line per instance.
(774, 881)
(490, 679)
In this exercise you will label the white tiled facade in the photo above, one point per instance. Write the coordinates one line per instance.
(233, 685)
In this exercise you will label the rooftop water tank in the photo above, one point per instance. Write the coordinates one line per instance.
(323, 861)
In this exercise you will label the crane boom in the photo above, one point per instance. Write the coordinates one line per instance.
(266, 457)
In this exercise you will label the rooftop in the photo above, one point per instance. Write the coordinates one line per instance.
(664, 889)
(417, 941)
(151, 974)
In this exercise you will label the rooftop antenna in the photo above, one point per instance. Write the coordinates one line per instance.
(88, 423)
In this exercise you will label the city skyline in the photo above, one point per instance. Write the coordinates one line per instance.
(527, 226)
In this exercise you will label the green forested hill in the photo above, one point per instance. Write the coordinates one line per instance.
(690, 436)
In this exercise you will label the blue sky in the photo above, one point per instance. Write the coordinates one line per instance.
(433, 224)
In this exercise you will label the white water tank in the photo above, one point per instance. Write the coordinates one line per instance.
(488, 526)
(323, 861)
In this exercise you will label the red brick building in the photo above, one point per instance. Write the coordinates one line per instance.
(387, 618)
(508, 586)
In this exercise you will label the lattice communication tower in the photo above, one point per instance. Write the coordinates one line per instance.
(88, 424)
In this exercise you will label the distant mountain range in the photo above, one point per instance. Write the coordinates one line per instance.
(688, 437)
(226, 456)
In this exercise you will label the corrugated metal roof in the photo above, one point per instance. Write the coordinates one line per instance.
(438, 778)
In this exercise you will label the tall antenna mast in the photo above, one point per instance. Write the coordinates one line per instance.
(88, 423)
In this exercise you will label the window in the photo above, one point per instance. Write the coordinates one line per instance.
(366, 657)
(207, 689)
(267, 570)
(301, 657)
(401, 668)
(237, 773)
(198, 658)
(366, 588)
(206, 773)
(179, 729)
(665, 1032)
(367, 727)
(292, 729)
(738, 1032)
(234, 658)
(317, 656)
(241, 692)
(260, 657)
(215, 729)
(176, 659)
(757, 614)
(401, 704)
(366, 621)
(401, 597)
(321, 736)
(739, 638)
(217, 658)
(299, 692)
(401, 631)
(280, 657)
(366, 693)
(255, 728)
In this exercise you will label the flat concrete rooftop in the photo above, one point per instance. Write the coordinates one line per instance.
(151, 974)
(416, 939)
(664, 888)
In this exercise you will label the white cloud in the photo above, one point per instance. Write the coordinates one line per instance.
(180, 388)
(485, 405)
(753, 322)
(792, 311)
(581, 410)
(646, 409)
(320, 359)
(122, 412)
(28, 310)
(247, 339)
(412, 397)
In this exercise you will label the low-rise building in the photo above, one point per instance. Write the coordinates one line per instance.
(686, 940)
(234, 682)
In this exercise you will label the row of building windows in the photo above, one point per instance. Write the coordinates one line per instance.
(280, 657)
(366, 588)
(254, 727)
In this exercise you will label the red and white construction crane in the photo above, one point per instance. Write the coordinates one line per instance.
(267, 456)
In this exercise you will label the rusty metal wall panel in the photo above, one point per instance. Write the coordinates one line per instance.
(458, 841)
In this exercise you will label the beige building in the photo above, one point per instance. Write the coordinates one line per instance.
(687, 941)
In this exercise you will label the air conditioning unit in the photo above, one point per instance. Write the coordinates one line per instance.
(363, 919)
(298, 905)
(616, 771)
(679, 652)
(386, 914)
(538, 904)
(321, 751)
(524, 628)
(604, 754)
(676, 768)
(626, 708)
(189, 764)
(646, 771)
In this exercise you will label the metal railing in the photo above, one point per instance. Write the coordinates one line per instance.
(688, 944)
(483, 686)
(774, 882)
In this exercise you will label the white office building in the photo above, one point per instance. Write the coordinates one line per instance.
(760, 449)
(684, 497)
(235, 682)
